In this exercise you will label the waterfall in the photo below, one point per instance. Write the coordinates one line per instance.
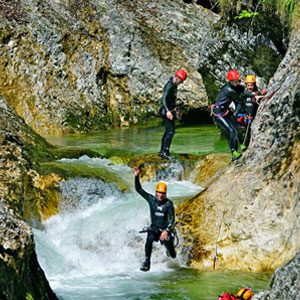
(95, 238)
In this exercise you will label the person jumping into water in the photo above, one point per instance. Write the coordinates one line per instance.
(162, 215)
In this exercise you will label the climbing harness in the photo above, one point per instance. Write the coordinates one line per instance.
(175, 112)
(250, 119)
(244, 119)
(218, 115)
(173, 233)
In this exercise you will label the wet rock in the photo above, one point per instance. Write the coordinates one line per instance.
(248, 218)
(79, 66)
(20, 273)
(284, 283)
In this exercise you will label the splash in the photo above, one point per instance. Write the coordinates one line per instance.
(95, 237)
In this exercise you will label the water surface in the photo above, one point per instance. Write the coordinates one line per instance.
(191, 140)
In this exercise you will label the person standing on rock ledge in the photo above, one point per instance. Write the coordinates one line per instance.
(232, 91)
(168, 110)
(245, 117)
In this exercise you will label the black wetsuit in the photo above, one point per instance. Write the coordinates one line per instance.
(223, 116)
(250, 109)
(162, 218)
(250, 106)
(168, 104)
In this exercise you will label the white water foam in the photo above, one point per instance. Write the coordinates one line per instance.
(95, 239)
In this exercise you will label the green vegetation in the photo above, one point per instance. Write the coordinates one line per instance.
(247, 14)
(29, 296)
(58, 153)
(288, 10)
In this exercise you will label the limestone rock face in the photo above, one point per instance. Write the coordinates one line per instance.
(81, 65)
(284, 283)
(20, 273)
(249, 217)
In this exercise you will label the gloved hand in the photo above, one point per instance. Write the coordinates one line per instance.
(264, 91)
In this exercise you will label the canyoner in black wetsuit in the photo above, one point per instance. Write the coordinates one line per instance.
(224, 117)
(168, 112)
(162, 215)
(250, 106)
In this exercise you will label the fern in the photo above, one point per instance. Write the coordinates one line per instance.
(247, 14)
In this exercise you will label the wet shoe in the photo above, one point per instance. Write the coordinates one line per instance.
(235, 155)
(243, 147)
(165, 155)
(145, 266)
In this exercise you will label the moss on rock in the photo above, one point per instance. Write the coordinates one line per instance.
(68, 170)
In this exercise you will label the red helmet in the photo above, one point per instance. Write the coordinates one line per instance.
(181, 74)
(233, 75)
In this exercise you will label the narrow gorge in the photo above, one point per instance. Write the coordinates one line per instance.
(75, 68)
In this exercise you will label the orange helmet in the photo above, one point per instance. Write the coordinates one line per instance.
(161, 187)
(233, 75)
(181, 74)
(250, 79)
(244, 294)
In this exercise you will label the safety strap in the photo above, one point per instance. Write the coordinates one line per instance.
(217, 115)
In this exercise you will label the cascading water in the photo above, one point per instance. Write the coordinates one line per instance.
(92, 249)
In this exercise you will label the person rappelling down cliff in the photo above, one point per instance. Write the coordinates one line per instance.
(232, 91)
(162, 220)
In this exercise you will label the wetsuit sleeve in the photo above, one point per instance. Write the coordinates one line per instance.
(167, 90)
(238, 97)
(226, 95)
(171, 213)
(140, 190)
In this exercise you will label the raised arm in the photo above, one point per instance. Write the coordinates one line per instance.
(137, 184)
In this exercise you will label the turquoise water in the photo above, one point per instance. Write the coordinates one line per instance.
(92, 249)
(179, 284)
(187, 283)
(190, 140)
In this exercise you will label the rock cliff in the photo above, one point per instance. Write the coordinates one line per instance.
(81, 65)
(20, 273)
(284, 283)
(249, 217)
